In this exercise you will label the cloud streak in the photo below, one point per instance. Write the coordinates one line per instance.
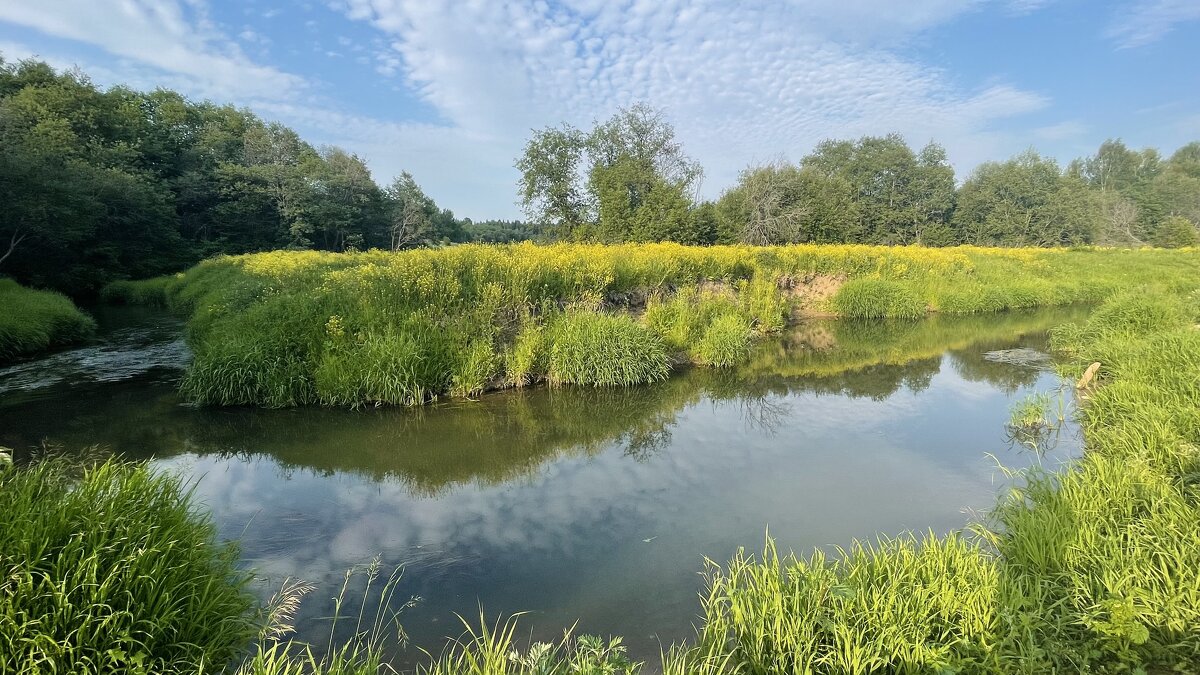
(1148, 21)
(173, 37)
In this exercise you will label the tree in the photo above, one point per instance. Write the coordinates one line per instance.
(549, 188)
(901, 198)
(411, 213)
(626, 179)
(1176, 232)
(1025, 201)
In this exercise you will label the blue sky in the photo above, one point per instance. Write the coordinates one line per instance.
(450, 90)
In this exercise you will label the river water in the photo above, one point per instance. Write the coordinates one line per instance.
(596, 506)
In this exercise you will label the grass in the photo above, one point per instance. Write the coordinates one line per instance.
(1031, 412)
(605, 350)
(1093, 569)
(108, 569)
(295, 328)
(878, 299)
(33, 321)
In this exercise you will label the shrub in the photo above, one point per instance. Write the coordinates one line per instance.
(1176, 232)
(878, 298)
(605, 350)
(108, 570)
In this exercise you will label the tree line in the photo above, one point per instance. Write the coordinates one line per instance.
(97, 185)
(628, 179)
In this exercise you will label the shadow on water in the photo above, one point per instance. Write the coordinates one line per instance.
(589, 504)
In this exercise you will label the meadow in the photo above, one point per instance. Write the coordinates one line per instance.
(33, 321)
(295, 328)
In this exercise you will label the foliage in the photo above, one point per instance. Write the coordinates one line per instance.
(100, 185)
(1176, 232)
(625, 180)
(108, 569)
(1025, 201)
(32, 321)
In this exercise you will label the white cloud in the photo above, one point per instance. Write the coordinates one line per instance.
(176, 38)
(1149, 20)
(741, 81)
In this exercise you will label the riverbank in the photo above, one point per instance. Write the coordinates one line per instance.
(296, 328)
(1092, 569)
(33, 321)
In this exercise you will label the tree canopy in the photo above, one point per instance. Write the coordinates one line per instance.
(100, 185)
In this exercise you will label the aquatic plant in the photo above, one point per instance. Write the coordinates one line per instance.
(32, 321)
(1031, 412)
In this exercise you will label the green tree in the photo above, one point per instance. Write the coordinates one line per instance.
(1025, 201)
(626, 179)
(901, 197)
(1176, 232)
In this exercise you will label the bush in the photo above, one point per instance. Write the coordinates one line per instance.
(605, 350)
(878, 299)
(1176, 232)
(32, 321)
(108, 569)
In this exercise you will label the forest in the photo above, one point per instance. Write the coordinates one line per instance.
(101, 185)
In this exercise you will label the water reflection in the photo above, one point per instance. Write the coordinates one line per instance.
(596, 505)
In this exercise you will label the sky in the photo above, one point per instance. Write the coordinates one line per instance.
(450, 91)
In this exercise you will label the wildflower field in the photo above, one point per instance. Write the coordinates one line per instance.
(294, 328)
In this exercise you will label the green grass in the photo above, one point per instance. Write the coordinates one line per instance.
(108, 569)
(413, 326)
(1093, 569)
(726, 341)
(1031, 412)
(32, 321)
(878, 299)
(605, 350)
(1090, 569)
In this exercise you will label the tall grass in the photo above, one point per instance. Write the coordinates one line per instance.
(292, 328)
(32, 321)
(108, 569)
(605, 350)
(1094, 569)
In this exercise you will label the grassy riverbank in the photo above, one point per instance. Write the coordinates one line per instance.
(32, 321)
(293, 328)
(1095, 568)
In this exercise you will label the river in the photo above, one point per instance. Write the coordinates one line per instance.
(596, 506)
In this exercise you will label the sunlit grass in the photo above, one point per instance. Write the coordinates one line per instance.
(417, 325)
(108, 569)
